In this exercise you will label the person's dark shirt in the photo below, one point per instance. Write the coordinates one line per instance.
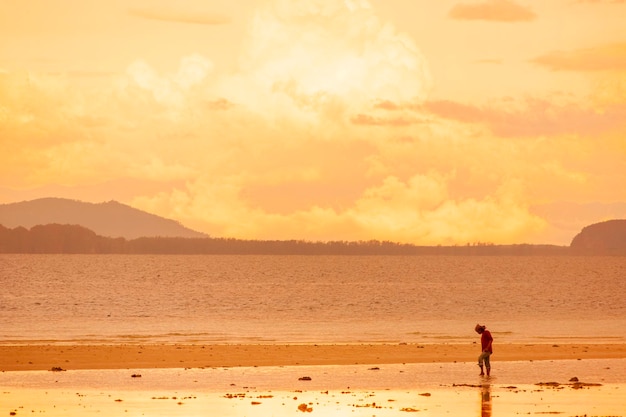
(485, 339)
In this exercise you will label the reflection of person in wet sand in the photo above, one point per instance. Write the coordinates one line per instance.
(485, 342)
(485, 400)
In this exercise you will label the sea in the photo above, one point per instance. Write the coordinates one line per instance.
(202, 299)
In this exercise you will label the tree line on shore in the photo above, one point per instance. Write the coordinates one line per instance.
(74, 239)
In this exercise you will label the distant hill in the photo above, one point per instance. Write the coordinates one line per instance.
(110, 219)
(608, 238)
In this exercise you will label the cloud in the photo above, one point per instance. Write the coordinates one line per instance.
(611, 57)
(535, 117)
(601, 1)
(170, 89)
(368, 120)
(37, 111)
(492, 10)
(490, 61)
(229, 171)
(419, 209)
(85, 74)
(60, 130)
(179, 15)
(309, 55)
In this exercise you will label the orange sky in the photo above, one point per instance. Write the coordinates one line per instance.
(430, 122)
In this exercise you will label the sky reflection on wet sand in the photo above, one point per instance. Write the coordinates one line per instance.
(389, 390)
(487, 400)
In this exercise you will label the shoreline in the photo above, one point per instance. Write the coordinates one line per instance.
(42, 357)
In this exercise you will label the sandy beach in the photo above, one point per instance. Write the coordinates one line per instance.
(46, 357)
(342, 379)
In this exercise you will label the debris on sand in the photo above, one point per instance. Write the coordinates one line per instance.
(548, 384)
(574, 385)
(305, 408)
(239, 395)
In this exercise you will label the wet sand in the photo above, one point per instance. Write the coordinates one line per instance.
(484, 401)
(67, 357)
(286, 380)
(430, 389)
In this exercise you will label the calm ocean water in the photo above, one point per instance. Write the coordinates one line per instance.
(325, 299)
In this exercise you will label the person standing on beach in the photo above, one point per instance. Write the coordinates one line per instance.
(485, 343)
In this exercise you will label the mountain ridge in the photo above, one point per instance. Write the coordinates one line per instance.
(110, 219)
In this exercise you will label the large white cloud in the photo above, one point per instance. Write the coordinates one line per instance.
(313, 52)
(171, 89)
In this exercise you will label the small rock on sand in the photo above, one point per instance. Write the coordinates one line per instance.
(305, 408)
